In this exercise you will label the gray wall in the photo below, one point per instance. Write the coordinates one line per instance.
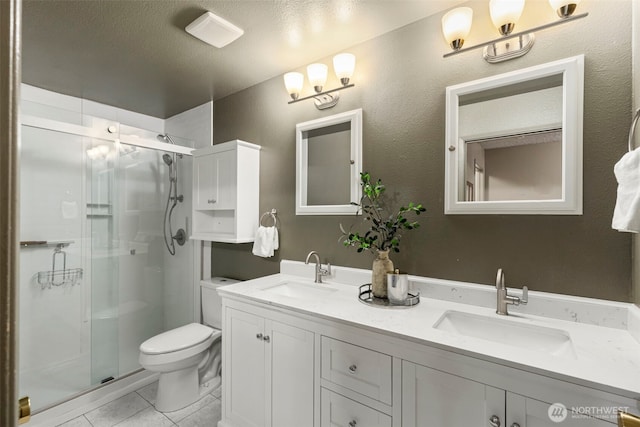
(400, 81)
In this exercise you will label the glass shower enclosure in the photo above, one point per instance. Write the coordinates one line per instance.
(96, 279)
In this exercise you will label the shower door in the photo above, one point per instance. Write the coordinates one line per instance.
(96, 279)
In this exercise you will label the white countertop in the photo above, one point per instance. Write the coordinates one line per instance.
(605, 335)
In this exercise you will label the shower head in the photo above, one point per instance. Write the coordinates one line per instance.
(167, 159)
(165, 138)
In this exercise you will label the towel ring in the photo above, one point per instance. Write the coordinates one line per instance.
(632, 132)
(272, 214)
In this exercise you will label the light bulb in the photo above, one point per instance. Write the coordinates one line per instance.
(505, 14)
(317, 74)
(564, 8)
(293, 82)
(343, 65)
(456, 25)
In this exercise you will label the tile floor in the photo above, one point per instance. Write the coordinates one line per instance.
(136, 410)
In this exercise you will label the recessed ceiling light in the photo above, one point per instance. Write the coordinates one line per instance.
(214, 30)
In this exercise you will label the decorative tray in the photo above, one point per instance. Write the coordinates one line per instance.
(365, 296)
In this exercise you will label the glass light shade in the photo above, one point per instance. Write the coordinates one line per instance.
(505, 14)
(293, 82)
(343, 65)
(456, 25)
(317, 74)
(564, 7)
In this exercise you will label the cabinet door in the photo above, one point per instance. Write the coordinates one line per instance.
(290, 353)
(244, 367)
(526, 412)
(215, 180)
(435, 398)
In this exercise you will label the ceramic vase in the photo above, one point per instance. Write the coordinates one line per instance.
(381, 266)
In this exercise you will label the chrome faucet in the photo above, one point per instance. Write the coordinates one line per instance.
(504, 299)
(319, 270)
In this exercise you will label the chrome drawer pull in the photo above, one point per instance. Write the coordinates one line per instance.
(352, 423)
(266, 338)
(515, 425)
(353, 369)
(259, 336)
(211, 201)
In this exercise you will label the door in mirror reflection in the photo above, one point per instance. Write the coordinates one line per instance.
(514, 142)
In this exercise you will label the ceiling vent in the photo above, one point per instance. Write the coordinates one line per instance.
(214, 30)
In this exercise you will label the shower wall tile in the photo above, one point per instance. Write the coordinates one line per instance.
(195, 124)
(46, 97)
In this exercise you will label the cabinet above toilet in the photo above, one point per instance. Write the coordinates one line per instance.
(226, 190)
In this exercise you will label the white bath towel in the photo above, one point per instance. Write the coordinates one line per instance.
(626, 215)
(266, 241)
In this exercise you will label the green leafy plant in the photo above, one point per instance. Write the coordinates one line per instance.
(385, 229)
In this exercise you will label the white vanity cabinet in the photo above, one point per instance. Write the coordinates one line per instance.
(432, 397)
(268, 372)
(226, 185)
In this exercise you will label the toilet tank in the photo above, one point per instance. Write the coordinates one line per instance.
(211, 301)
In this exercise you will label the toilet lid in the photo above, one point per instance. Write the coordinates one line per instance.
(177, 339)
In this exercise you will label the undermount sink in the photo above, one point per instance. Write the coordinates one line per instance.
(502, 330)
(300, 290)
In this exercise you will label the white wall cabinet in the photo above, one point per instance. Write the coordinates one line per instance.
(268, 372)
(226, 188)
(431, 397)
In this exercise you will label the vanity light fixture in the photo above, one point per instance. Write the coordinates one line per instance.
(505, 15)
(343, 65)
(456, 25)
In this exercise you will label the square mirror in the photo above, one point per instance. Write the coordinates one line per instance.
(328, 164)
(514, 142)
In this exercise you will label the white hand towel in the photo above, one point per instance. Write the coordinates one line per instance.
(266, 241)
(626, 215)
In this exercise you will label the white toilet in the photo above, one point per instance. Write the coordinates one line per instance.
(188, 356)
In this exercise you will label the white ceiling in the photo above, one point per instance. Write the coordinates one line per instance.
(135, 54)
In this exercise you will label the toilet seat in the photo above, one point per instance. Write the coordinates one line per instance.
(177, 339)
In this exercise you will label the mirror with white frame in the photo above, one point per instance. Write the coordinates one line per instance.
(328, 164)
(514, 142)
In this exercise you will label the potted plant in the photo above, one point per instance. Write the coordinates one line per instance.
(384, 232)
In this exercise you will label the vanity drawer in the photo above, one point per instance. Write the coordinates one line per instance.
(339, 411)
(357, 368)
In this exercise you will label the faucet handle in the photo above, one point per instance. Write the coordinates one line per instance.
(524, 299)
(325, 271)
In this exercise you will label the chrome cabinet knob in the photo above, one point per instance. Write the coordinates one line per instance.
(352, 423)
(353, 369)
(112, 129)
(515, 425)
(266, 338)
(259, 336)
(494, 421)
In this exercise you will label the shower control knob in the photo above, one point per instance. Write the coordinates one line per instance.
(112, 129)
(211, 201)
(259, 336)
